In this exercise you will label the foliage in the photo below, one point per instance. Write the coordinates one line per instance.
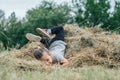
(1, 13)
(2, 27)
(92, 12)
(114, 21)
(46, 15)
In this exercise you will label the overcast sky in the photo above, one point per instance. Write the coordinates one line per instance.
(21, 6)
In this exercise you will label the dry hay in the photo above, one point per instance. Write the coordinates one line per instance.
(92, 46)
(24, 59)
(85, 46)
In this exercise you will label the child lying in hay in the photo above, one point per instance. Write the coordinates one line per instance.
(56, 46)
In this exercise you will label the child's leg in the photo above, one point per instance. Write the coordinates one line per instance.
(34, 38)
(45, 41)
(59, 32)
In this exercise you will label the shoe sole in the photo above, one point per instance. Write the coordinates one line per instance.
(31, 37)
(40, 31)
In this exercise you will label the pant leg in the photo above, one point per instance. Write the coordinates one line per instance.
(59, 32)
(45, 41)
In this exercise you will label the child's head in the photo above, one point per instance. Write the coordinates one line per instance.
(43, 55)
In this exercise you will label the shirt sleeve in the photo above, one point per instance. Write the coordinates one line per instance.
(58, 57)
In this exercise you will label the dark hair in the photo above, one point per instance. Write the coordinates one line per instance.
(38, 53)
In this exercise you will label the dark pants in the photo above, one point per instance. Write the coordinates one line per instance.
(59, 32)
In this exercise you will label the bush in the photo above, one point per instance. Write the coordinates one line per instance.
(46, 15)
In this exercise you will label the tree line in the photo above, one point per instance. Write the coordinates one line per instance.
(88, 13)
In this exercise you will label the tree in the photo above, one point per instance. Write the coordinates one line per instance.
(2, 28)
(92, 12)
(48, 14)
(2, 19)
(114, 21)
(12, 32)
(1, 14)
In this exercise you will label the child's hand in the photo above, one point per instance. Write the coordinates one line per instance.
(49, 61)
(64, 62)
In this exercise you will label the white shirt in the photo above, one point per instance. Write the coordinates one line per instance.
(57, 49)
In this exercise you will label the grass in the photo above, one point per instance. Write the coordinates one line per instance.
(59, 73)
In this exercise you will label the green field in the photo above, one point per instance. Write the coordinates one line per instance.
(60, 73)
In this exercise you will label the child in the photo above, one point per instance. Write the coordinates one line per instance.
(56, 46)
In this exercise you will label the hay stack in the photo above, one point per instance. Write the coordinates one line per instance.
(92, 46)
(85, 46)
(24, 59)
